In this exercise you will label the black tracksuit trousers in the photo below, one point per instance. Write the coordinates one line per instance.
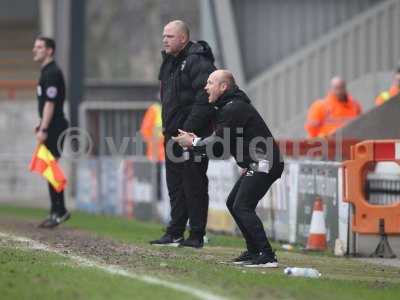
(242, 202)
(55, 146)
(187, 184)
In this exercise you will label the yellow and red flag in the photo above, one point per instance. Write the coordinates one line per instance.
(44, 163)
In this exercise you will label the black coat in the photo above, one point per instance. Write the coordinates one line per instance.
(241, 126)
(184, 100)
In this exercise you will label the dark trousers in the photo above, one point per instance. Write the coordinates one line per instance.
(242, 202)
(57, 201)
(55, 144)
(187, 184)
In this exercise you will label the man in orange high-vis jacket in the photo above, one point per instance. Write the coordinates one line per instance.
(393, 91)
(151, 130)
(327, 115)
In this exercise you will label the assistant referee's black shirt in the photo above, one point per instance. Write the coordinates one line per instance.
(51, 87)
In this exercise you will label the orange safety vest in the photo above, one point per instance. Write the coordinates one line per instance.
(327, 115)
(386, 95)
(151, 130)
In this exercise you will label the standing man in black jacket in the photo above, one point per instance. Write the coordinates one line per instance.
(183, 74)
(242, 132)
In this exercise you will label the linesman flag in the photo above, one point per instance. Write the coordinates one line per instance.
(44, 163)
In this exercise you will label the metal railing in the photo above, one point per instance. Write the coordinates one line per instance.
(383, 189)
(369, 43)
(114, 126)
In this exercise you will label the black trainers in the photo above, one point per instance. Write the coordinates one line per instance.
(244, 257)
(193, 242)
(46, 221)
(55, 220)
(263, 260)
(168, 240)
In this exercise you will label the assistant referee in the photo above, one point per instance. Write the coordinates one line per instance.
(52, 124)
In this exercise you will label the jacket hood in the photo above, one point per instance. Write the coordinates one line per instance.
(201, 48)
(192, 48)
(235, 94)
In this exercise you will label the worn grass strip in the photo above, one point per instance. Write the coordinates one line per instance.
(31, 244)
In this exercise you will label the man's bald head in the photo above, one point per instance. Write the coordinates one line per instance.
(176, 35)
(181, 27)
(218, 83)
(338, 88)
(337, 81)
(224, 76)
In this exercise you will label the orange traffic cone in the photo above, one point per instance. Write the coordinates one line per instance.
(317, 235)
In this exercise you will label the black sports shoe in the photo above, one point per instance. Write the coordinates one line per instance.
(168, 240)
(244, 257)
(263, 260)
(46, 221)
(193, 242)
(56, 220)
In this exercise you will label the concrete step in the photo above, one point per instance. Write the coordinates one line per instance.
(17, 64)
(19, 96)
(16, 44)
(18, 75)
(16, 53)
(17, 35)
(6, 66)
(14, 89)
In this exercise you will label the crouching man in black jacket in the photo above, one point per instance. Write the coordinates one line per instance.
(241, 130)
(183, 75)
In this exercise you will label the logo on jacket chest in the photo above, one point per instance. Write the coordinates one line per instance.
(183, 65)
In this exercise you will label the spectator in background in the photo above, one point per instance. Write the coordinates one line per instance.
(327, 115)
(151, 130)
(393, 91)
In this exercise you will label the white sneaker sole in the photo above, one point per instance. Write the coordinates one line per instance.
(267, 265)
(167, 245)
(239, 263)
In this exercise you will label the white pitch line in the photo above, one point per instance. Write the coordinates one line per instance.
(112, 269)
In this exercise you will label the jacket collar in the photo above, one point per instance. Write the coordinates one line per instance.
(332, 98)
(52, 62)
(231, 95)
(181, 55)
